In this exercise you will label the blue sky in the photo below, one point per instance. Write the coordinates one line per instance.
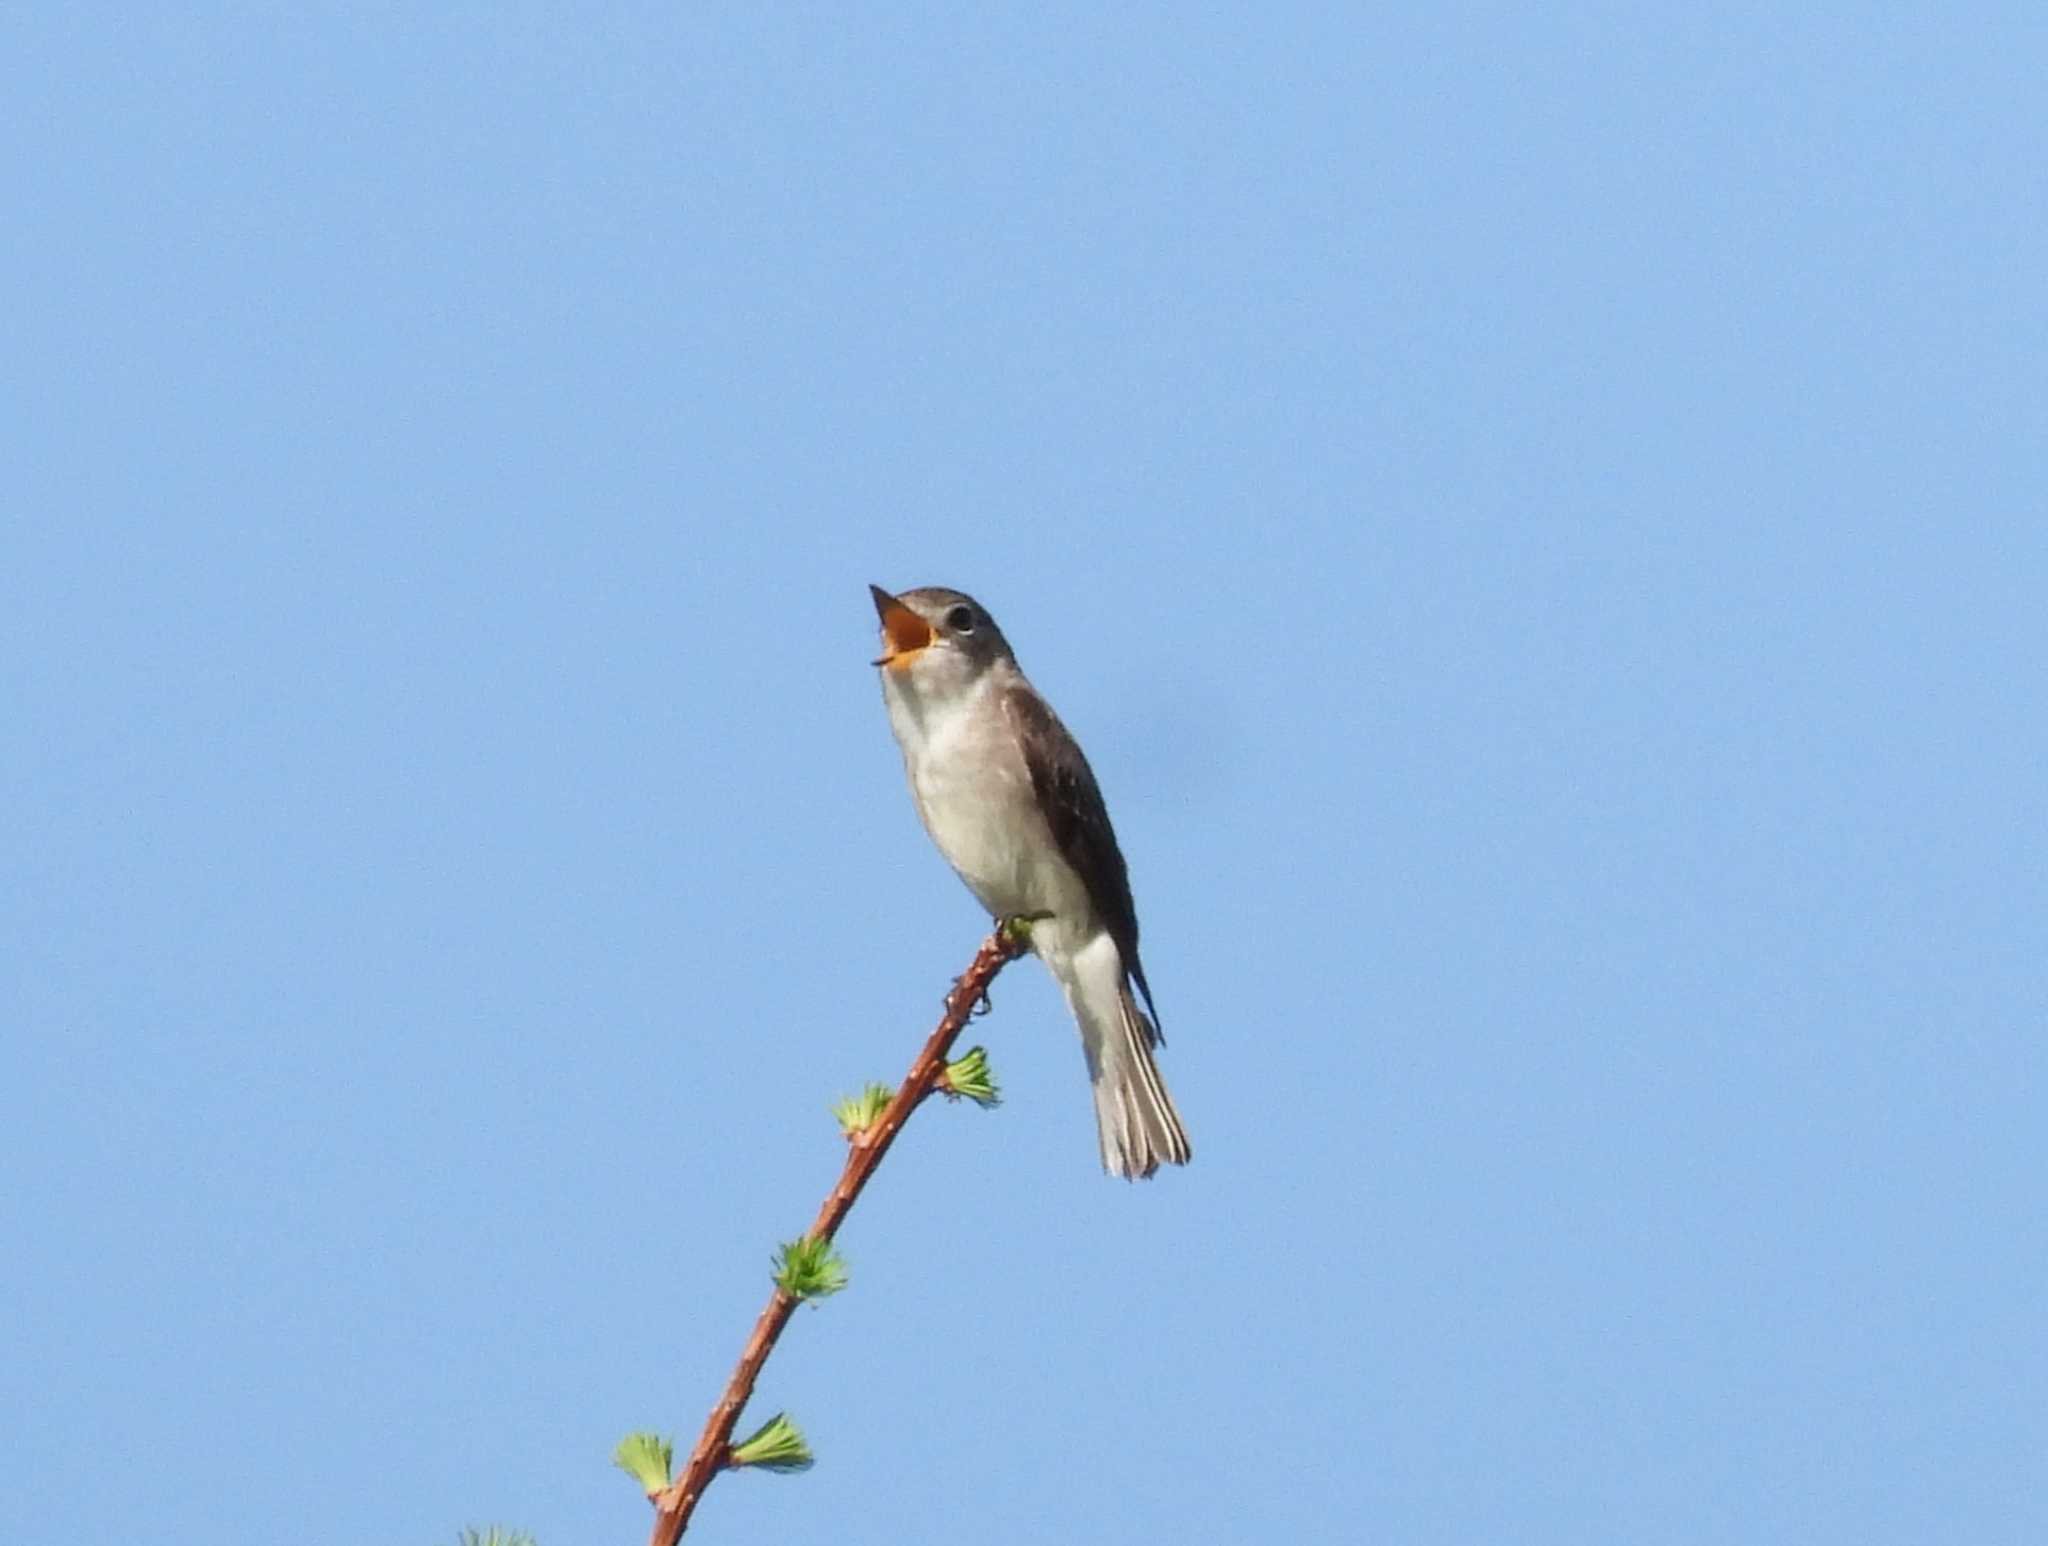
(1537, 518)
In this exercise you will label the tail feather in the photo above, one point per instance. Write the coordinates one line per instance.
(1134, 1116)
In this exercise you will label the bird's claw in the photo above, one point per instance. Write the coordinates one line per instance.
(979, 1007)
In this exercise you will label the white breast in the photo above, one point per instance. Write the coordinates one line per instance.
(973, 791)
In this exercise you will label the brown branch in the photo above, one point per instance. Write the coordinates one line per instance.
(675, 1503)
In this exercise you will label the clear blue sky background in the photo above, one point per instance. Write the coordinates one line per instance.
(1536, 514)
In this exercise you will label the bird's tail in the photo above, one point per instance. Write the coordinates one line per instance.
(1134, 1116)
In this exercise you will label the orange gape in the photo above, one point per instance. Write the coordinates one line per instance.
(904, 633)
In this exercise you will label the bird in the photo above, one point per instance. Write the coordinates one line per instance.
(1012, 805)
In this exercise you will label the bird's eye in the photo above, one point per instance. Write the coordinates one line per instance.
(960, 619)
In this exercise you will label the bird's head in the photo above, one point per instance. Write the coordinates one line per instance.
(935, 637)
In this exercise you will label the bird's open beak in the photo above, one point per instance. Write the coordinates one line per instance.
(904, 633)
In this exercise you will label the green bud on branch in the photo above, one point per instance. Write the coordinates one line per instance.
(1016, 930)
(858, 1113)
(809, 1269)
(971, 1076)
(778, 1445)
(646, 1457)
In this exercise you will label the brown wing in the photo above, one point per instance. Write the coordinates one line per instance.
(1072, 802)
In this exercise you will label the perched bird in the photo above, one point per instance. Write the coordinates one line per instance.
(1006, 794)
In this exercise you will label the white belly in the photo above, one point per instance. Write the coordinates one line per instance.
(974, 794)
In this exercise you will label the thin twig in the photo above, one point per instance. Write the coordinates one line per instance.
(674, 1505)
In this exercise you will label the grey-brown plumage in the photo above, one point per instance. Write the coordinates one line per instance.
(1074, 810)
(1009, 798)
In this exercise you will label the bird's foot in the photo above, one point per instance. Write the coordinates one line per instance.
(976, 1010)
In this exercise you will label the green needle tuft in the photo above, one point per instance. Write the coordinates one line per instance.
(809, 1269)
(970, 1075)
(778, 1445)
(858, 1113)
(646, 1458)
(1016, 929)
